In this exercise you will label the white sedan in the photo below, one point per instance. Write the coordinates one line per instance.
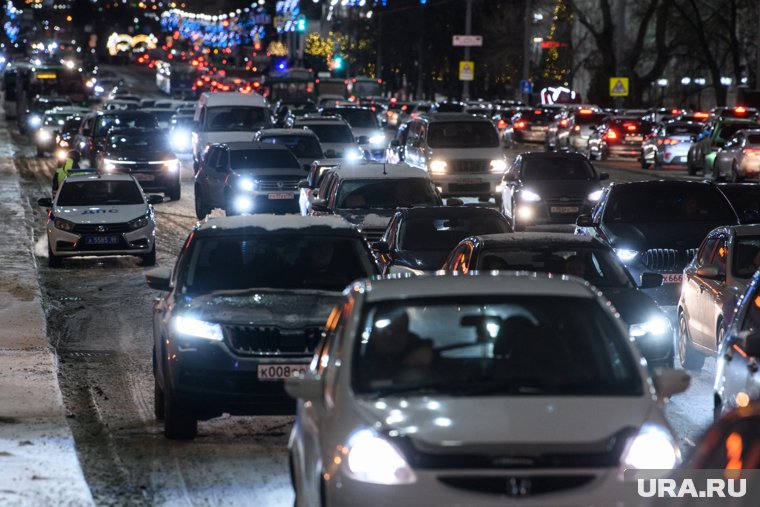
(489, 390)
(101, 215)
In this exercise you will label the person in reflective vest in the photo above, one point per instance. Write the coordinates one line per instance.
(69, 167)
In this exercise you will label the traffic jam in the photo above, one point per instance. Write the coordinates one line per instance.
(234, 277)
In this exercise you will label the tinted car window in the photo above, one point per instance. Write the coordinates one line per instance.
(429, 233)
(55, 120)
(746, 256)
(262, 159)
(300, 146)
(237, 118)
(277, 261)
(377, 193)
(449, 107)
(357, 118)
(753, 139)
(556, 168)
(99, 193)
(138, 141)
(589, 119)
(124, 120)
(728, 130)
(674, 130)
(681, 203)
(333, 133)
(477, 346)
(462, 134)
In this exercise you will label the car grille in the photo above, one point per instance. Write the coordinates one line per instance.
(470, 187)
(100, 228)
(667, 259)
(372, 234)
(470, 166)
(269, 340)
(277, 184)
(517, 485)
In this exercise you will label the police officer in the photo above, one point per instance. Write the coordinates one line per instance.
(70, 167)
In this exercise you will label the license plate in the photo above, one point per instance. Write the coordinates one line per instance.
(564, 209)
(280, 371)
(279, 196)
(144, 177)
(635, 139)
(539, 129)
(101, 240)
(672, 277)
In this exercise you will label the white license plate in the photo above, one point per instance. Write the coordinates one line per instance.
(280, 371)
(635, 139)
(101, 240)
(279, 196)
(672, 277)
(144, 177)
(539, 129)
(564, 209)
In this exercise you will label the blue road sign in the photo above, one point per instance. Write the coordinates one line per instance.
(526, 86)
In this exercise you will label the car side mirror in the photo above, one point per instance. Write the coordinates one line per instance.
(381, 247)
(650, 280)
(585, 221)
(303, 184)
(394, 143)
(307, 386)
(604, 176)
(454, 201)
(159, 279)
(669, 381)
(708, 272)
(155, 199)
(45, 202)
(752, 344)
(362, 140)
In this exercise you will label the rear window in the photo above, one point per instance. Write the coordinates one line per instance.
(674, 130)
(431, 233)
(728, 130)
(537, 115)
(263, 159)
(589, 119)
(556, 168)
(99, 193)
(671, 203)
(337, 133)
(108, 121)
(463, 134)
(386, 193)
(300, 146)
(357, 118)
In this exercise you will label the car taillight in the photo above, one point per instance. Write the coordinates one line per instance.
(740, 110)
(671, 142)
(501, 125)
(563, 122)
(750, 152)
(701, 115)
(630, 127)
(611, 135)
(520, 125)
(577, 128)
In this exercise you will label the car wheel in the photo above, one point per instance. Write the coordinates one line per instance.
(201, 208)
(179, 423)
(159, 403)
(735, 178)
(644, 163)
(689, 358)
(54, 261)
(175, 192)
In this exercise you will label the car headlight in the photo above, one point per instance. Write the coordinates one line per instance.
(625, 255)
(498, 166)
(246, 184)
(529, 196)
(242, 204)
(98, 89)
(109, 165)
(352, 154)
(44, 135)
(63, 224)
(438, 166)
(181, 139)
(377, 140)
(595, 196)
(375, 460)
(651, 449)
(171, 165)
(63, 143)
(140, 222)
(657, 325)
(35, 121)
(190, 326)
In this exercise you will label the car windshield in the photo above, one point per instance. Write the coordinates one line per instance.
(679, 130)
(72, 123)
(278, 261)
(124, 120)
(143, 141)
(556, 168)
(300, 146)
(449, 107)
(336, 133)
(386, 193)
(671, 203)
(597, 266)
(746, 256)
(434, 233)
(487, 345)
(357, 118)
(263, 159)
(463, 134)
(728, 130)
(99, 193)
(235, 118)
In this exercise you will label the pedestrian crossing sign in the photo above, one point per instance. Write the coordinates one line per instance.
(466, 70)
(619, 87)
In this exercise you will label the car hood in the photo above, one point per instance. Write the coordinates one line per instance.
(633, 305)
(679, 235)
(288, 173)
(137, 155)
(496, 153)
(338, 148)
(427, 260)
(578, 189)
(463, 424)
(105, 214)
(369, 218)
(287, 309)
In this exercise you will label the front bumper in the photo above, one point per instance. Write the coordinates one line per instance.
(207, 378)
(468, 185)
(263, 202)
(545, 213)
(70, 244)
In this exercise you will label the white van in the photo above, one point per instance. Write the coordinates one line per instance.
(227, 117)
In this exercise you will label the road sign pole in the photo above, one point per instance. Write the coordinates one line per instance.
(527, 39)
(467, 31)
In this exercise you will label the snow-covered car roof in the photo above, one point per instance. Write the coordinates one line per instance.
(287, 132)
(102, 177)
(275, 223)
(365, 170)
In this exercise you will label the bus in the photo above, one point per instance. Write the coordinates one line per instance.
(333, 86)
(362, 87)
(176, 79)
(292, 85)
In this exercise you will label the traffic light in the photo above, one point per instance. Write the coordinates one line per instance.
(301, 24)
(337, 62)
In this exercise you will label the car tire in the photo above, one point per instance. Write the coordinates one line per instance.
(644, 163)
(54, 261)
(174, 193)
(201, 208)
(179, 423)
(149, 259)
(689, 358)
(159, 403)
